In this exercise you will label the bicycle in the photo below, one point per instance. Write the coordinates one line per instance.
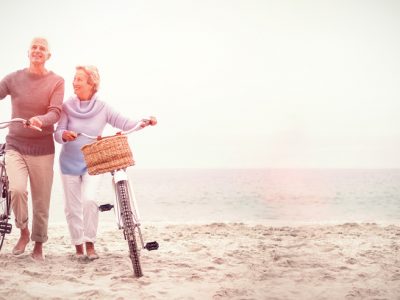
(112, 154)
(5, 194)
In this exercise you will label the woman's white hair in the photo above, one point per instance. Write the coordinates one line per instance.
(93, 75)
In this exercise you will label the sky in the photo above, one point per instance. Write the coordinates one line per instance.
(234, 84)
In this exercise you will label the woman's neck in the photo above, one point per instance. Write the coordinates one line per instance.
(85, 97)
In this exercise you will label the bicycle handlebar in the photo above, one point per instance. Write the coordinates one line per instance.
(137, 127)
(27, 123)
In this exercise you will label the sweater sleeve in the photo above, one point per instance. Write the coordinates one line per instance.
(4, 91)
(54, 108)
(117, 120)
(61, 127)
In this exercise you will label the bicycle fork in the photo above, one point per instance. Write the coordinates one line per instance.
(120, 176)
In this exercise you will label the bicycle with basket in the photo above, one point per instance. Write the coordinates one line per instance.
(112, 154)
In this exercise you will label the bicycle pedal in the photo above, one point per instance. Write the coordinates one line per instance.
(151, 246)
(106, 207)
(5, 228)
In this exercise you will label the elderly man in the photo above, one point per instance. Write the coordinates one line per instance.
(36, 95)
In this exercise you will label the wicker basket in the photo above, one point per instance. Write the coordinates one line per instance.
(108, 154)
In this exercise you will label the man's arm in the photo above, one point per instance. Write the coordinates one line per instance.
(4, 91)
(54, 109)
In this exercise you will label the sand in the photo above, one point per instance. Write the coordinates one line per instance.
(215, 261)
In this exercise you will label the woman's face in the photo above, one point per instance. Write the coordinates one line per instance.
(82, 88)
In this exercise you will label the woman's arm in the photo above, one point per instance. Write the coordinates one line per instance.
(61, 127)
(117, 120)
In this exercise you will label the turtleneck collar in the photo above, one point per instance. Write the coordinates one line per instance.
(73, 106)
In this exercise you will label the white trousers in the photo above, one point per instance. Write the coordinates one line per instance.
(80, 207)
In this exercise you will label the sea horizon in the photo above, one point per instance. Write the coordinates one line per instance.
(255, 195)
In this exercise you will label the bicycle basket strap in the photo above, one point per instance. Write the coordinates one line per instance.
(108, 154)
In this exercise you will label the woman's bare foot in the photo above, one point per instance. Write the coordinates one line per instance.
(37, 253)
(90, 252)
(24, 239)
(79, 251)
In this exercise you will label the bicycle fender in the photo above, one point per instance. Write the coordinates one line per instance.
(120, 175)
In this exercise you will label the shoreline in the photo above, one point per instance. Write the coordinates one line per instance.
(107, 224)
(215, 261)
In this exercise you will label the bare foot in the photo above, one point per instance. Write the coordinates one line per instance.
(79, 251)
(91, 253)
(24, 239)
(37, 253)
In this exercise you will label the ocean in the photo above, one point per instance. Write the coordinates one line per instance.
(276, 196)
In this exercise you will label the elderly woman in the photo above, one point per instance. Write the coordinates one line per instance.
(84, 112)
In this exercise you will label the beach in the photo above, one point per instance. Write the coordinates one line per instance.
(215, 261)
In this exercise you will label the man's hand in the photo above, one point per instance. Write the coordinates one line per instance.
(35, 121)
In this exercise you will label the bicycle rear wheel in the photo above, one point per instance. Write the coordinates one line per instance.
(130, 227)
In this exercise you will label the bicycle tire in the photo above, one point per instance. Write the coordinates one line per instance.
(5, 201)
(5, 227)
(129, 226)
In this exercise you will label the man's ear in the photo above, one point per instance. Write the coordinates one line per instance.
(48, 56)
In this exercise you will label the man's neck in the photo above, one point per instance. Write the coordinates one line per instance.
(37, 69)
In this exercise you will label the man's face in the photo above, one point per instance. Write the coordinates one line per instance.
(39, 52)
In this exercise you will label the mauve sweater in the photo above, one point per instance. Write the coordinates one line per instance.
(89, 117)
(33, 95)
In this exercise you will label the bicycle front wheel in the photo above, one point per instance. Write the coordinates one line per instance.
(130, 227)
(5, 200)
(3, 220)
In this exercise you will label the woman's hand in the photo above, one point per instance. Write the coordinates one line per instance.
(150, 121)
(153, 121)
(69, 136)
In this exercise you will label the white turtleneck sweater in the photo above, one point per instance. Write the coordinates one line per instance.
(89, 117)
